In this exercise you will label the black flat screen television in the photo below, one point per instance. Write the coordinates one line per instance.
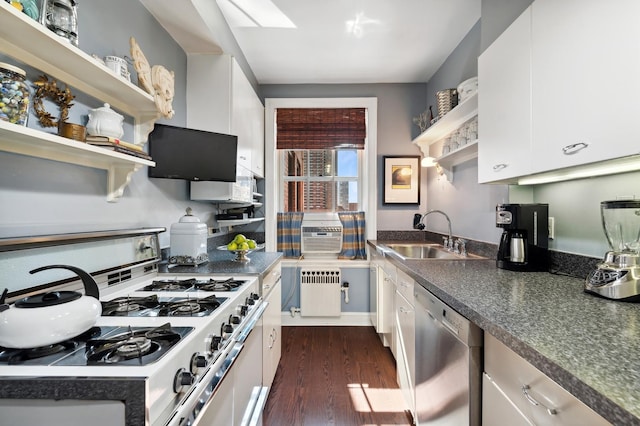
(190, 154)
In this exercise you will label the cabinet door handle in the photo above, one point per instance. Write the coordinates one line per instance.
(533, 401)
(574, 148)
(499, 167)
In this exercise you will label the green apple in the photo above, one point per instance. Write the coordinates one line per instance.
(232, 246)
(243, 246)
(252, 244)
(239, 239)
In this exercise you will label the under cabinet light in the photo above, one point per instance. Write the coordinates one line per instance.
(610, 167)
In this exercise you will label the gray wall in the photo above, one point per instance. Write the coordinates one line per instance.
(397, 104)
(497, 15)
(42, 197)
(470, 206)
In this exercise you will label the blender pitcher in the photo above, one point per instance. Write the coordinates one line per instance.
(621, 223)
(618, 276)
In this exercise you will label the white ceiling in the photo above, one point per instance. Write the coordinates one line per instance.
(338, 41)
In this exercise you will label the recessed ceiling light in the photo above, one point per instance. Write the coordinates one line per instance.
(357, 25)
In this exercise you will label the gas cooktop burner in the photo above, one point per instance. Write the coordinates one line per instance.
(41, 354)
(129, 306)
(134, 347)
(170, 285)
(229, 284)
(190, 307)
(193, 284)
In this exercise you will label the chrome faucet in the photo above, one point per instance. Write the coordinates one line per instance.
(448, 241)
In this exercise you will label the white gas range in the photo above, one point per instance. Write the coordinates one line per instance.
(157, 354)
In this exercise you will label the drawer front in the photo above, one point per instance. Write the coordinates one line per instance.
(404, 284)
(272, 277)
(542, 400)
(497, 409)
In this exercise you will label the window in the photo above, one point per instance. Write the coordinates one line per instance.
(319, 157)
(320, 180)
(365, 190)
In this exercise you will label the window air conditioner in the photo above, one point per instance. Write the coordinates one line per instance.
(321, 235)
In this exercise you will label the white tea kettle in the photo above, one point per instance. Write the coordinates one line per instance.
(51, 317)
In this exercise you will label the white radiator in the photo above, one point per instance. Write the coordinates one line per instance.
(320, 292)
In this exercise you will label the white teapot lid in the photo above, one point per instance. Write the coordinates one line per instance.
(106, 108)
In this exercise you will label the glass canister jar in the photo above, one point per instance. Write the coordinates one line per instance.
(14, 94)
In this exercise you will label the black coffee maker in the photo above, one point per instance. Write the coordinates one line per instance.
(525, 240)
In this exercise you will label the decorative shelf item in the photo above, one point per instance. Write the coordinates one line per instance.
(29, 42)
(448, 123)
(459, 156)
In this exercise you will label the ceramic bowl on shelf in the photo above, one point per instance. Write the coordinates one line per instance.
(241, 255)
(467, 88)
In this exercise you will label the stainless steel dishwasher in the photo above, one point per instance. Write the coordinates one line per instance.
(448, 364)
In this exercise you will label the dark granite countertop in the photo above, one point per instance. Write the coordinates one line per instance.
(221, 262)
(588, 345)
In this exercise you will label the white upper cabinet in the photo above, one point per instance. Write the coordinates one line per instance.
(248, 121)
(221, 99)
(586, 80)
(559, 88)
(504, 104)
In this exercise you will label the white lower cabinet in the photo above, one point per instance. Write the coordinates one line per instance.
(272, 326)
(381, 295)
(497, 408)
(405, 338)
(516, 393)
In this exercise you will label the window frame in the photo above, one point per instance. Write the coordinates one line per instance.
(368, 191)
(308, 178)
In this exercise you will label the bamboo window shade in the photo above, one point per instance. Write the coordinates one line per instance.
(321, 128)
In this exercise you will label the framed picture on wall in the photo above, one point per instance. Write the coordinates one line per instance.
(402, 179)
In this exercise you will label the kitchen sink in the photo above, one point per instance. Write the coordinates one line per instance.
(425, 251)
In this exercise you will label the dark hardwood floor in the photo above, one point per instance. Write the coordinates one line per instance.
(334, 376)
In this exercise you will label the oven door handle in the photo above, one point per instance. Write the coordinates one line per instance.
(201, 395)
(256, 314)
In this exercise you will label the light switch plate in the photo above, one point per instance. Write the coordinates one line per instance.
(552, 228)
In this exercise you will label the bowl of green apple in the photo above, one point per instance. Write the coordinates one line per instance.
(241, 246)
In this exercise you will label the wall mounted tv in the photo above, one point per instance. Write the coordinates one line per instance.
(190, 154)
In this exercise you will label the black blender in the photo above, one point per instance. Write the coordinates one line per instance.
(618, 276)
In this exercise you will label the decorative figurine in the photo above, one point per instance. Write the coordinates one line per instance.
(141, 66)
(422, 121)
(158, 81)
(163, 85)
